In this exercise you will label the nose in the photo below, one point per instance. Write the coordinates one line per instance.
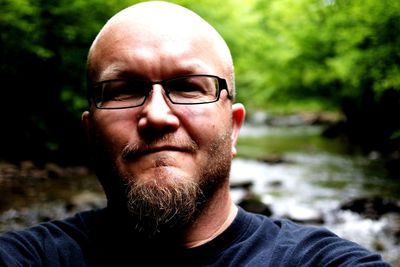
(157, 117)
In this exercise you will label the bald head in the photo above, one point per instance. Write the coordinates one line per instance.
(157, 35)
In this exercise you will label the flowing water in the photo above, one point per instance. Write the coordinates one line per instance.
(294, 171)
(307, 178)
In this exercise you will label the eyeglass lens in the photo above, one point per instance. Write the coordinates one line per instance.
(182, 90)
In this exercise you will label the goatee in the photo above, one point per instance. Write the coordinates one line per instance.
(163, 206)
(166, 203)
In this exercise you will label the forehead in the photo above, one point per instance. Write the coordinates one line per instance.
(154, 43)
(155, 57)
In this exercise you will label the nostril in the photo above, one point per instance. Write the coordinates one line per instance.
(149, 130)
(156, 123)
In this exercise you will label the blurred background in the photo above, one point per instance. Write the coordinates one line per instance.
(320, 80)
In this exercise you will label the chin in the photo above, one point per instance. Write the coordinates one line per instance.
(162, 204)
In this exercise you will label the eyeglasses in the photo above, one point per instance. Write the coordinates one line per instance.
(183, 90)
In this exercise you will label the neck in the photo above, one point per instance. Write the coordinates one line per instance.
(215, 219)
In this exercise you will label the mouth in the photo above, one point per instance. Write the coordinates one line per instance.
(130, 153)
(161, 149)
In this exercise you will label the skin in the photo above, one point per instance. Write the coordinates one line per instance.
(155, 41)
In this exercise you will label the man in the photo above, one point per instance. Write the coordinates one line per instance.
(163, 129)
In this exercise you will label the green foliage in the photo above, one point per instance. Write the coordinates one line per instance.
(289, 55)
(43, 48)
(311, 52)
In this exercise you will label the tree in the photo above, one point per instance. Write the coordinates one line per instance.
(341, 55)
(43, 49)
(289, 55)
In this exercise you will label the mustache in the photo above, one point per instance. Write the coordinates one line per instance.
(132, 151)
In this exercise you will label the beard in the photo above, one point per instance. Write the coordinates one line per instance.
(163, 207)
(168, 203)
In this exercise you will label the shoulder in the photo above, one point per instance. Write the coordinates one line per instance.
(72, 227)
(62, 240)
(282, 242)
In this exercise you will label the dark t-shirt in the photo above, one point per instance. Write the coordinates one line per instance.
(96, 238)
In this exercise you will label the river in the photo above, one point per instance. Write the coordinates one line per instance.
(309, 178)
(293, 170)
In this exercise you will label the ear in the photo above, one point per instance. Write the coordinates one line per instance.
(86, 124)
(238, 115)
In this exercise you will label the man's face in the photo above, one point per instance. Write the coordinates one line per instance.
(168, 158)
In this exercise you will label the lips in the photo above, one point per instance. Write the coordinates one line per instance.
(160, 149)
(135, 151)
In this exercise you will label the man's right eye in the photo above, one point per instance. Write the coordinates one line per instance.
(122, 91)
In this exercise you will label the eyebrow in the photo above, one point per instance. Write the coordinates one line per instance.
(111, 72)
(115, 71)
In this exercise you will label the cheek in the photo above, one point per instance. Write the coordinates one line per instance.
(196, 118)
(204, 122)
(113, 131)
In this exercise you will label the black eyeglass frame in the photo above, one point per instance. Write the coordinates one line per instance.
(221, 82)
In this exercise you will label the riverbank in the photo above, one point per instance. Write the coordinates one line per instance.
(32, 193)
(286, 188)
(281, 171)
(300, 175)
